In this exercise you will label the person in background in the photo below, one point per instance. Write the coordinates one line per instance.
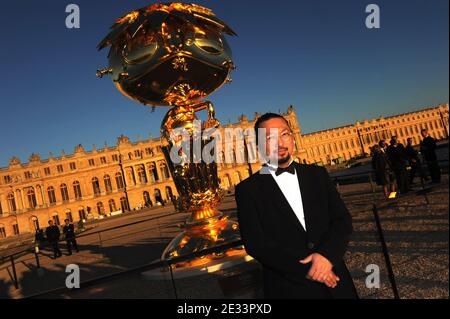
(428, 151)
(414, 161)
(383, 176)
(397, 160)
(52, 233)
(69, 235)
(39, 237)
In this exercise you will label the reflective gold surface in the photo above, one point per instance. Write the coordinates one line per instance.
(157, 48)
(175, 55)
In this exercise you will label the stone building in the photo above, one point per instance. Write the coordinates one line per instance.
(132, 175)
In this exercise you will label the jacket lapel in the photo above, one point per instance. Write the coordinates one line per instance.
(270, 189)
(306, 187)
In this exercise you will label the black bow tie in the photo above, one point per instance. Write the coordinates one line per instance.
(290, 169)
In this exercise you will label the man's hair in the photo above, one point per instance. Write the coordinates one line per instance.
(424, 130)
(381, 143)
(265, 117)
(67, 220)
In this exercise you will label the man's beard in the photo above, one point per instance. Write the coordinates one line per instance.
(285, 159)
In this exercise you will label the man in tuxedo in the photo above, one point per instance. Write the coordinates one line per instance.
(428, 150)
(294, 223)
(69, 235)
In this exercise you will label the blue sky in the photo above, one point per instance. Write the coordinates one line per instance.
(316, 55)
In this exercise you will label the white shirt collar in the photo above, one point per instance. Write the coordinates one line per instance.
(276, 166)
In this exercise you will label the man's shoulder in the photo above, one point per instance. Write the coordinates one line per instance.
(249, 182)
(310, 168)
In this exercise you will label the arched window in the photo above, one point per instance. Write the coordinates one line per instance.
(64, 193)
(2, 231)
(147, 199)
(119, 181)
(169, 193)
(100, 208)
(31, 196)
(112, 205)
(153, 172)
(165, 171)
(12, 203)
(55, 218)
(77, 190)
(124, 204)
(51, 195)
(82, 213)
(69, 215)
(35, 222)
(96, 186)
(141, 175)
(107, 181)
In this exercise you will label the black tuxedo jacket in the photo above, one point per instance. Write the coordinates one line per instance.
(274, 236)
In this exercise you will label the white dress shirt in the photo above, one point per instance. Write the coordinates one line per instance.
(289, 185)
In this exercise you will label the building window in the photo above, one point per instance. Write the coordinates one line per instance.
(28, 175)
(103, 160)
(165, 171)
(137, 153)
(47, 171)
(12, 203)
(148, 151)
(96, 186)
(60, 168)
(31, 198)
(7, 179)
(35, 222)
(55, 218)
(147, 199)
(141, 175)
(64, 193)
(108, 186)
(100, 208)
(119, 181)
(51, 195)
(115, 158)
(2, 232)
(124, 204)
(82, 214)
(73, 166)
(69, 216)
(16, 229)
(112, 205)
(91, 162)
(77, 189)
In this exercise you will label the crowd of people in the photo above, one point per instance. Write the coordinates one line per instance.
(390, 163)
(53, 234)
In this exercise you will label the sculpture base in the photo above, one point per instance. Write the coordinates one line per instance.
(233, 257)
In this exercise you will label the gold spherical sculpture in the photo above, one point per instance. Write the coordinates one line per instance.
(174, 55)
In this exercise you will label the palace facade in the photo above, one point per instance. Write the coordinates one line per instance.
(131, 175)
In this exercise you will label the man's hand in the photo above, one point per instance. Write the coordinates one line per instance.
(321, 270)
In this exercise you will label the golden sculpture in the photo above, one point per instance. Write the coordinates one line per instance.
(174, 55)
